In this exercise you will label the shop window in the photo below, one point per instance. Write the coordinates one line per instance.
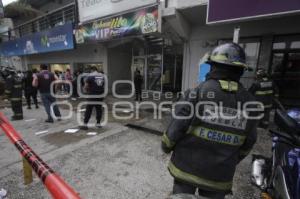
(295, 45)
(277, 64)
(53, 67)
(279, 46)
(293, 64)
(86, 67)
(286, 42)
(252, 54)
(154, 72)
(160, 63)
(139, 63)
(59, 67)
(286, 74)
(34, 67)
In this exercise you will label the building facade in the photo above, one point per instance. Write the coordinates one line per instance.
(271, 41)
(169, 49)
(128, 37)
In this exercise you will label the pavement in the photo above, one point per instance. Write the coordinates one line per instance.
(119, 162)
(242, 187)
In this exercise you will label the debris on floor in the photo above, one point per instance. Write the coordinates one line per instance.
(41, 132)
(71, 131)
(30, 120)
(92, 133)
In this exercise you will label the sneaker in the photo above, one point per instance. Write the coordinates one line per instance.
(37, 107)
(28, 107)
(84, 128)
(99, 126)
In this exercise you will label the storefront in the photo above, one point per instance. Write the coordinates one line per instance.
(271, 43)
(79, 59)
(87, 66)
(38, 48)
(53, 67)
(134, 42)
(285, 67)
(160, 64)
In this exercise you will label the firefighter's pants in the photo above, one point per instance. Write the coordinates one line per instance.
(17, 109)
(183, 188)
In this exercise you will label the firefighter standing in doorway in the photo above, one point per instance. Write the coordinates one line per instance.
(207, 147)
(264, 91)
(13, 91)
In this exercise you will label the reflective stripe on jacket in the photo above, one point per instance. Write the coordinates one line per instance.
(14, 88)
(208, 146)
(264, 91)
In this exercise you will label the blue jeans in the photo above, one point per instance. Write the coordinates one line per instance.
(48, 100)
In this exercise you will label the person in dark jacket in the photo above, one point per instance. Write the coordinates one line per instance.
(264, 91)
(30, 91)
(74, 83)
(138, 82)
(43, 81)
(13, 90)
(211, 133)
(94, 85)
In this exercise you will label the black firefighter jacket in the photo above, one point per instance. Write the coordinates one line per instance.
(14, 88)
(208, 146)
(264, 91)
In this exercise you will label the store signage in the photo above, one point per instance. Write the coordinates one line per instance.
(56, 39)
(143, 21)
(95, 9)
(231, 10)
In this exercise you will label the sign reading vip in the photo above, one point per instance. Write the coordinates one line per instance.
(56, 39)
(94, 9)
(230, 10)
(143, 21)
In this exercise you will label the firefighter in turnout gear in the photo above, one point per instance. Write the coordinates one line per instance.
(13, 91)
(211, 132)
(264, 91)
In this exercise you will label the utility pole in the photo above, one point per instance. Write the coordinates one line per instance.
(236, 35)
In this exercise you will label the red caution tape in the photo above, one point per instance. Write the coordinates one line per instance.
(57, 187)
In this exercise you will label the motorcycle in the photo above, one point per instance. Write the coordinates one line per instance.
(279, 176)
